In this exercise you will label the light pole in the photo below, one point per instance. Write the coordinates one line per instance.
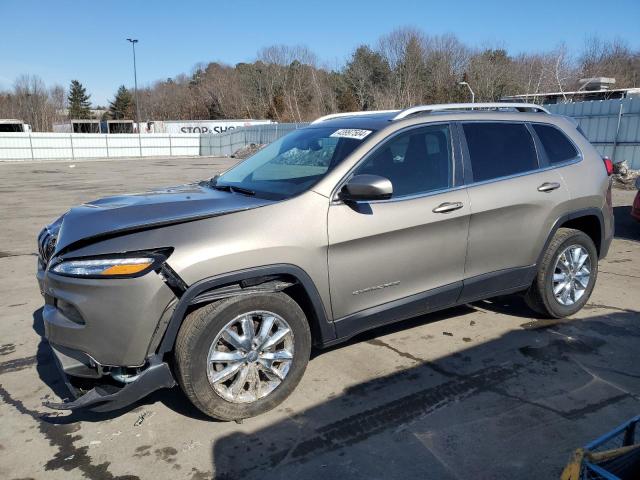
(473, 95)
(135, 80)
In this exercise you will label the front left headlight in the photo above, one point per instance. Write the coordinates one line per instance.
(110, 267)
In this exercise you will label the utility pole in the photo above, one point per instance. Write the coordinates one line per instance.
(135, 80)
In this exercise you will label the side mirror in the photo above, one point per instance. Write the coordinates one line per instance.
(367, 187)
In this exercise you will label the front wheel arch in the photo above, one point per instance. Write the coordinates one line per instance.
(304, 292)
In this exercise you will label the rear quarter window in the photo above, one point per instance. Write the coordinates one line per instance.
(499, 149)
(555, 143)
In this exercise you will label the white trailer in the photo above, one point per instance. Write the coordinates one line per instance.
(13, 125)
(204, 126)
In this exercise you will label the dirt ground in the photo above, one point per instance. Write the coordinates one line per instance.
(481, 391)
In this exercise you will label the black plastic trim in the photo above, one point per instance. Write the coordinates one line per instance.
(541, 153)
(325, 328)
(497, 283)
(239, 289)
(397, 310)
(172, 279)
(99, 399)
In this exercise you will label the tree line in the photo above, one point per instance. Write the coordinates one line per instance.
(290, 84)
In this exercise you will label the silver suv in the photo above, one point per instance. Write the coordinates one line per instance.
(355, 221)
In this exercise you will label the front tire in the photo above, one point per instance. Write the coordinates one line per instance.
(566, 275)
(242, 356)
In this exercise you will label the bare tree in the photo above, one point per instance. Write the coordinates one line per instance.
(610, 59)
(33, 103)
(404, 50)
(403, 68)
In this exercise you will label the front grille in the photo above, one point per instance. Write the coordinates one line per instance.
(46, 246)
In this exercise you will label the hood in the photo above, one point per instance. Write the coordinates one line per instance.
(127, 213)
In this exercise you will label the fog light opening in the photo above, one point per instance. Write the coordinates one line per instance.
(124, 374)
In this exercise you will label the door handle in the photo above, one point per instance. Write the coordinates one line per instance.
(447, 207)
(548, 186)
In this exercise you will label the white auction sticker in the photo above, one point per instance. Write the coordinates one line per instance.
(355, 133)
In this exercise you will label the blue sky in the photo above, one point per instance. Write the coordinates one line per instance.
(63, 40)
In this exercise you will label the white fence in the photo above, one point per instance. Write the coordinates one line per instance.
(49, 146)
(72, 146)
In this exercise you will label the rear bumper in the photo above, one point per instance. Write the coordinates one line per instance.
(107, 396)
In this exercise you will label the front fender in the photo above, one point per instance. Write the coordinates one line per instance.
(320, 321)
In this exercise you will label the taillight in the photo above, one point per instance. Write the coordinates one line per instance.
(608, 164)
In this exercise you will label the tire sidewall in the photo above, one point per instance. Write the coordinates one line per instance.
(215, 321)
(556, 307)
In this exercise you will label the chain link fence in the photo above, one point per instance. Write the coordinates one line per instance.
(227, 143)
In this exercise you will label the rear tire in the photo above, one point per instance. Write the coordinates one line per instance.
(221, 330)
(565, 277)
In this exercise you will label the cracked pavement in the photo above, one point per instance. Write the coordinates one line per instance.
(478, 391)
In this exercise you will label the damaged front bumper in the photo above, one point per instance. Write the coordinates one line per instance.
(106, 395)
(102, 354)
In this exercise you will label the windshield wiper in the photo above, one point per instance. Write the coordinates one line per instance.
(224, 188)
(232, 188)
(244, 191)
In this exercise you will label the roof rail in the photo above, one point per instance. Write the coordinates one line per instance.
(521, 107)
(351, 114)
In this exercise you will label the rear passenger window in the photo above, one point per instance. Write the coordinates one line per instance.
(499, 149)
(557, 146)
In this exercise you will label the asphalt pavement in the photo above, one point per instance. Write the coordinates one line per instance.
(481, 391)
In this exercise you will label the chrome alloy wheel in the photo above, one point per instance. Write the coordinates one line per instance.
(250, 357)
(571, 275)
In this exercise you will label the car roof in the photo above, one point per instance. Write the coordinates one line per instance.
(380, 121)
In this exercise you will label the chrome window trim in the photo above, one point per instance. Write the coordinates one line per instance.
(431, 193)
(334, 193)
(521, 174)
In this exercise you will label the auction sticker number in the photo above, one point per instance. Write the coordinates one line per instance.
(355, 133)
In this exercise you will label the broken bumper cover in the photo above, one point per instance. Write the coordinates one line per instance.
(108, 397)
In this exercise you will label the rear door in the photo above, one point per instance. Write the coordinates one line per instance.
(515, 199)
(397, 249)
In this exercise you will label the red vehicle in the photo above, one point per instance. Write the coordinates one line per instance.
(635, 209)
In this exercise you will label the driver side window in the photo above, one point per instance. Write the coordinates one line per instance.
(416, 161)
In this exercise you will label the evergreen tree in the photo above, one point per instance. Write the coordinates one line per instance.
(79, 104)
(122, 105)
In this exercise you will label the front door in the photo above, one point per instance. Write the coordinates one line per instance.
(384, 255)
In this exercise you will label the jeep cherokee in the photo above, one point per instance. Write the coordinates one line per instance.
(355, 221)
